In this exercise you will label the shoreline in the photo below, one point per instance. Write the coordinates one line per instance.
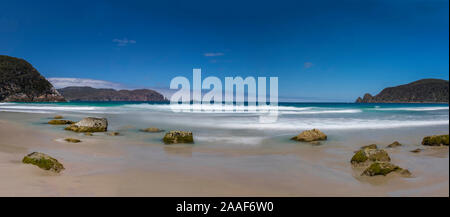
(117, 166)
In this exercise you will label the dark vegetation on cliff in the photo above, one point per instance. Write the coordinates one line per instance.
(21, 82)
(102, 94)
(421, 91)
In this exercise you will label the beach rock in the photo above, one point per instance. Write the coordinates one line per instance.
(152, 130)
(58, 117)
(436, 140)
(60, 122)
(72, 140)
(113, 133)
(394, 144)
(89, 124)
(43, 161)
(381, 168)
(310, 136)
(174, 137)
(372, 146)
(88, 134)
(370, 154)
(417, 150)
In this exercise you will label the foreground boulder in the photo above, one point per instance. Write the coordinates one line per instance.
(370, 154)
(384, 168)
(436, 140)
(89, 124)
(60, 122)
(310, 136)
(152, 130)
(173, 137)
(43, 161)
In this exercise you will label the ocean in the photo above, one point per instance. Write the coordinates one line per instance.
(338, 120)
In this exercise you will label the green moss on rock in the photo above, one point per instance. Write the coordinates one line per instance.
(60, 122)
(78, 129)
(380, 168)
(359, 157)
(436, 140)
(174, 137)
(43, 161)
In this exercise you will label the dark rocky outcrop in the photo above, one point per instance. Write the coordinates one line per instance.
(421, 91)
(102, 94)
(21, 82)
(43, 161)
(394, 144)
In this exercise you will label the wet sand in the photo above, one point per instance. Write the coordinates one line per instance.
(117, 166)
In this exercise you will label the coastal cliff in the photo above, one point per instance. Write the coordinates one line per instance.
(21, 82)
(103, 94)
(421, 91)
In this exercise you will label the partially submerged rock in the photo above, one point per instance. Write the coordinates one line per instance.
(310, 136)
(436, 140)
(58, 117)
(72, 140)
(384, 168)
(370, 154)
(113, 133)
(89, 124)
(394, 144)
(417, 150)
(372, 146)
(88, 134)
(43, 161)
(173, 137)
(152, 130)
(60, 122)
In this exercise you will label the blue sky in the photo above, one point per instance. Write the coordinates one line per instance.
(320, 50)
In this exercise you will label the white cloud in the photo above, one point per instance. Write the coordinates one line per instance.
(213, 54)
(80, 82)
(123, 42)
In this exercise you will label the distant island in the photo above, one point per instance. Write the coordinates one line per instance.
(421, 91)
(21, 82)
(104, 94)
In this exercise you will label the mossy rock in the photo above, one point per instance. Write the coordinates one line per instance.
(43, 161)
(383, 168)
(359, 157)
(436, 140)
(58, 117)
(60, 122)
(173, 137)
(151, 130)
(72, 140)
(394, 144)
(78, 129)
(310, 136)
(89, 124)
(370, 154)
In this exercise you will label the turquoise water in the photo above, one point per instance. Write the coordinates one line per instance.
(249, 128)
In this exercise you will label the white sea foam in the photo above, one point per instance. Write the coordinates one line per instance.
(412, 109)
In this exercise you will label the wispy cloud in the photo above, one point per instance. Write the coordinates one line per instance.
(213, 54)
(123, 42)
(81, 82)
(307, 65)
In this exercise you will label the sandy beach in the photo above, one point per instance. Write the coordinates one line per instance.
(104, 165)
